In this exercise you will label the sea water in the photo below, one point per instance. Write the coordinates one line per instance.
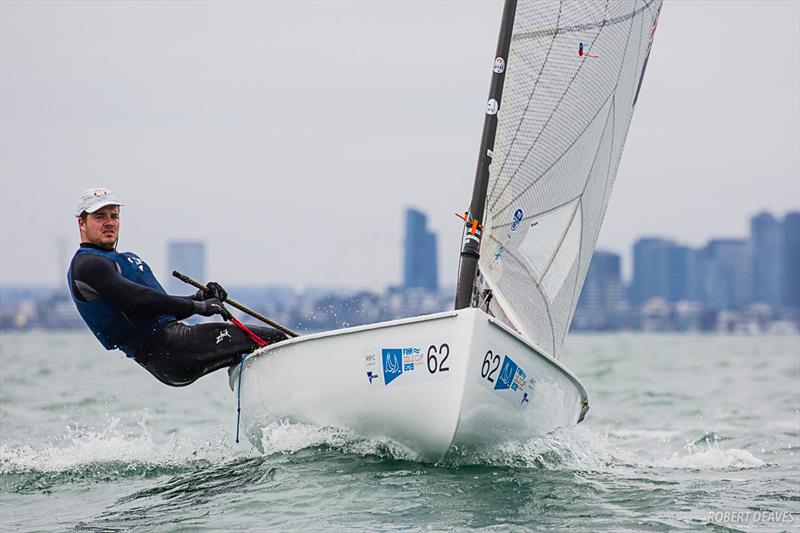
(684, 433)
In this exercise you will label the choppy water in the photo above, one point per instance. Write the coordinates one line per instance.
(682, 430)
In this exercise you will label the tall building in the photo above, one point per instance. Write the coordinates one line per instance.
(791, 260)
(650, 269)
(766, 240)
(420, 269)
(187, 257)
(726, 273)
(680, 272)
(600, 303)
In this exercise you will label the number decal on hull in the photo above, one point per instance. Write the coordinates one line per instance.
(392, 366)
(444, 351)
(503, 376)
(487, 370)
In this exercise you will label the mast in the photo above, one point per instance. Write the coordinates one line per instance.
(470, 247)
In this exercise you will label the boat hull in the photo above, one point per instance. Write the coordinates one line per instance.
(451, 381)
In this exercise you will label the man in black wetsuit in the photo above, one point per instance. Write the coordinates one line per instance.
(125, 306)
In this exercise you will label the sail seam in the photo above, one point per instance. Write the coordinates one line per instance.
(549, 119)
(536, 215)
(528, 104)
(581, 27)
(563, 153)
(580, 135)
(612, 115)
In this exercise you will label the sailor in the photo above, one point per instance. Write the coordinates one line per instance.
(126, 308)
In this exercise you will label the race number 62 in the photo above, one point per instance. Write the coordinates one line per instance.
(491, 362)
(437, 358)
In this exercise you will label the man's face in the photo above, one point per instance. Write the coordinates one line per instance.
(101, 228)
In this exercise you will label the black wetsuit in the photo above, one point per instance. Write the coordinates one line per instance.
(175, 353)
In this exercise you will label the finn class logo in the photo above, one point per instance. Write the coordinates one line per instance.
(507, 373)
(392, 359)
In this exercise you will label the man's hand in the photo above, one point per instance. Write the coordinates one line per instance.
(211, 307)
(213, 290)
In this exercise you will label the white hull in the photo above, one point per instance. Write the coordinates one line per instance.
(458, 380)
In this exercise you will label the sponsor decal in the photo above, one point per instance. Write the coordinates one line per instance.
(518, 214)
(508, 379)
(222, 335)
(371, 369)
(138, 262)
(499, 65)
(507, 374)
(492, 107)
(413, 363)
(392, 364)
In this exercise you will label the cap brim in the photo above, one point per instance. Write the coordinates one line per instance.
(100, 206)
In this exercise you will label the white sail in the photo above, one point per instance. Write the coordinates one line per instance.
(572, 78)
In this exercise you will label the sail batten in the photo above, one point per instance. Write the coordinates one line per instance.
(572, 77)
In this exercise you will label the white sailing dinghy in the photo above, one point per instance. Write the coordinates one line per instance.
(565, 80)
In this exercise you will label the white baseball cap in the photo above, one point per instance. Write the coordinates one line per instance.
(93, 199)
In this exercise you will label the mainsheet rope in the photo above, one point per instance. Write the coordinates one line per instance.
(260, 343)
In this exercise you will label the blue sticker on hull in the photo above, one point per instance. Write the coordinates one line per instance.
(507, 373)
(392, 364)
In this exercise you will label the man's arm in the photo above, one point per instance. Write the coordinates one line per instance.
(98, 277)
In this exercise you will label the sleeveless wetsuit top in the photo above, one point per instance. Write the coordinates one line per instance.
(113, 326)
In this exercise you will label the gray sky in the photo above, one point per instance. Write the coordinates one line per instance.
(291, 136)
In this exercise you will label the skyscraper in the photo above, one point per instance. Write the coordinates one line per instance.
(791, 260)
(600, 302)
(765, 237)
(727, 273)
(680, 272)
(650, 269)
(187, 257)
(420, 270)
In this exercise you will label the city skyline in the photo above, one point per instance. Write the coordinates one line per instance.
(749, 284)
(627, 256)
(291, 158)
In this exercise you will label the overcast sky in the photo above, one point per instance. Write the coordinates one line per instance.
(291, 136)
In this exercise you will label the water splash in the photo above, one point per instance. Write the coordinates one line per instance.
(287, 438)
(111, 453)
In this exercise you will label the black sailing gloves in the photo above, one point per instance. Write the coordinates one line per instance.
(209, 302)
(213, 290)
(211, 307)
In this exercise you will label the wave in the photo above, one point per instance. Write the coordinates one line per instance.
(83, 454)
(575, 448)
(104, 455)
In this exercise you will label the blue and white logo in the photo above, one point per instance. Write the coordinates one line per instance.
(392, 364)
(518, 214)
(507, 373)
